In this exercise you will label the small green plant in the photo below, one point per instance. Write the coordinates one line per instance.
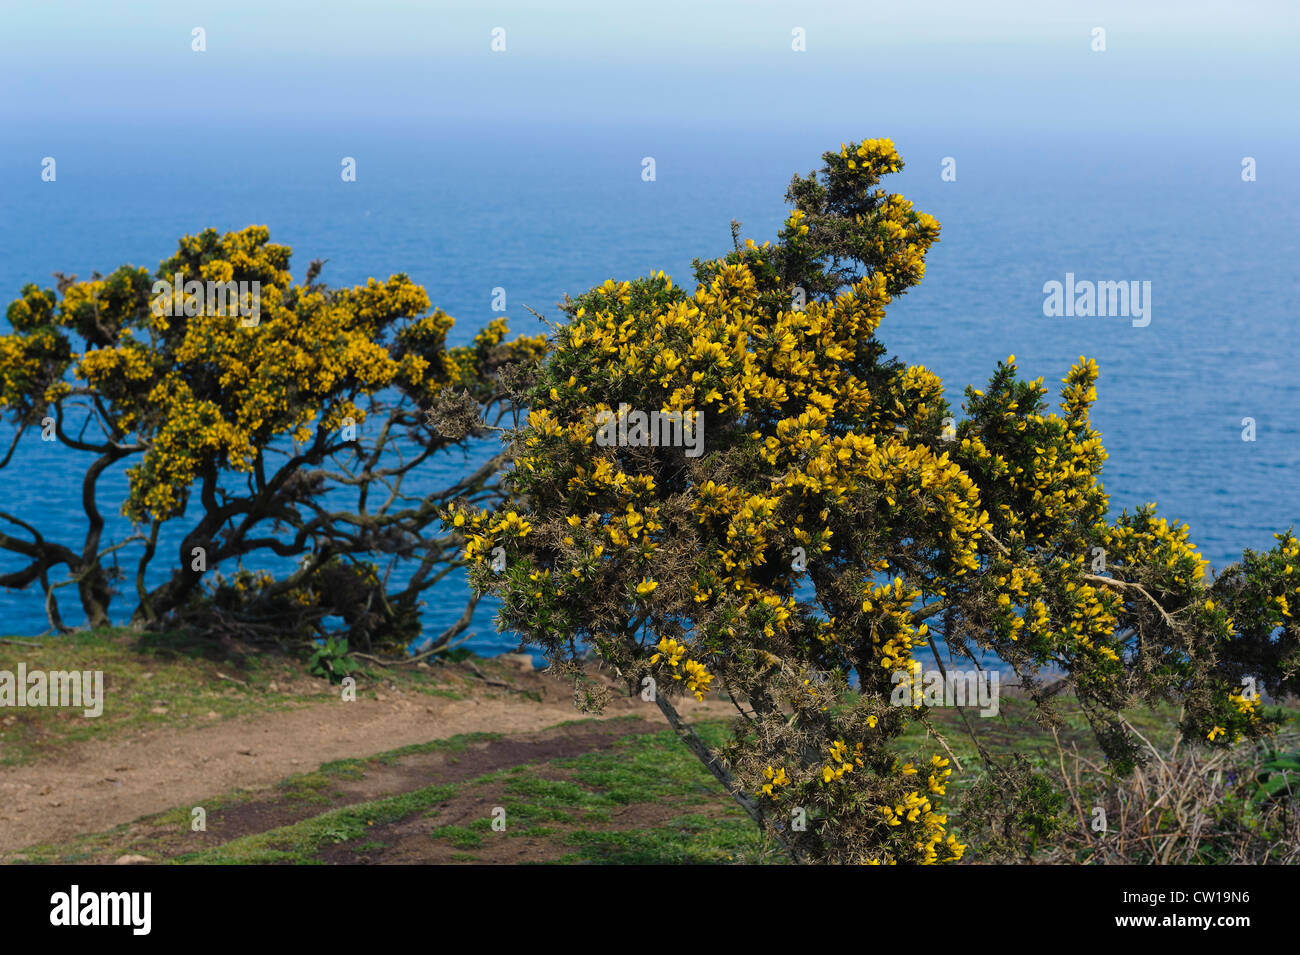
(330, 660)
(1278, 778)
(336, 834)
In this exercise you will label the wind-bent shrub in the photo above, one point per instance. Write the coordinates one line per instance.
(282, 421)
(836, 514)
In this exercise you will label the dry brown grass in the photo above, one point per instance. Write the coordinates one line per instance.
(1183, 805)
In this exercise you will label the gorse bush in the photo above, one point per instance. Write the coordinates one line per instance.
(288, 434)
(839, 518)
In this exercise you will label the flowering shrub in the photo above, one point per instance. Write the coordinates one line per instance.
(836, 515)
(287, 433)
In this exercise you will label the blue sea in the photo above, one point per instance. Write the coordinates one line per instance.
(541, 210)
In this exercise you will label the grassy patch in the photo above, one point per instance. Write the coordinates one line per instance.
(688, 839)
(166, 834)
(591, 807)
(155, 680)
(301, 842)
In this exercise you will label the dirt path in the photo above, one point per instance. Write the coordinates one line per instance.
(95, 785)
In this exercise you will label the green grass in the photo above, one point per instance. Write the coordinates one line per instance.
(572, 813)
(580, 809)
(687, 839)
(166, 679)
(462, 837)
(588, 808)
(301, 842)
(317, 787)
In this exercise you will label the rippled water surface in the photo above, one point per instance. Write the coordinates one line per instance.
(464, 210)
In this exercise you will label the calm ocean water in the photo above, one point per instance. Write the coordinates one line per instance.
(544, 211)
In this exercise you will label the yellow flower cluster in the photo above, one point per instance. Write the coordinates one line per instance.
(1288, 551)
(1050, 484)
(1245, 706)
(842, 761)
(483, 533)
(916, 811)
(775, 779)
(696, 675)
(698, 679)
(671, 650)
(939, 773)
(1016, 584)
(1246, 710)
(879, 153)
(1147, 540)
(887, 612)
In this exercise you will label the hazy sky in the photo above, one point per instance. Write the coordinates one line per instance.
(1009, 65)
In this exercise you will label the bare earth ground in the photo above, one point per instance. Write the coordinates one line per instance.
(93, 785)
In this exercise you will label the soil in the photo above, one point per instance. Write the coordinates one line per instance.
(95, 785)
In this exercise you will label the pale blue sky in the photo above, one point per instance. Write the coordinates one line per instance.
(1014, 65)
(522, 170)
